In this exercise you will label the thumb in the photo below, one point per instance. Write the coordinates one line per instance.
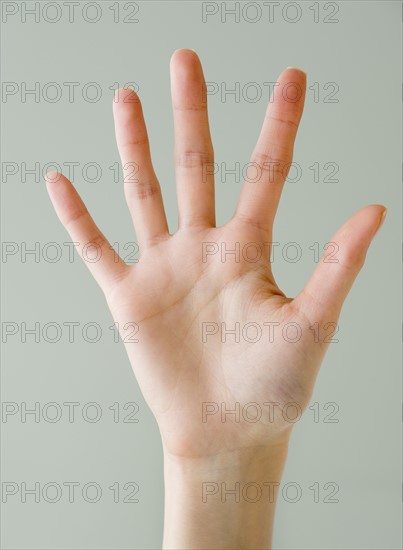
(326, 290)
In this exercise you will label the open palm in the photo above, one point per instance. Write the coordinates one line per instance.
(208, 331)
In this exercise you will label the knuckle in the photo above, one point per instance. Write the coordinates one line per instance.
(288, 122)
(191, 158)
(271, 165)
(142, 189)
(250, 221)
(352, 259)
(96, 241)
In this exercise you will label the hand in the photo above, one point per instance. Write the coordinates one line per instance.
(184, 293)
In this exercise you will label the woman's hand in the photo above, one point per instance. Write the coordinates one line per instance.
(218, 343)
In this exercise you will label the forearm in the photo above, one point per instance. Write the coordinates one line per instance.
(222, 502)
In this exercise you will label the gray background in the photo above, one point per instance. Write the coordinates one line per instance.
(359, 132)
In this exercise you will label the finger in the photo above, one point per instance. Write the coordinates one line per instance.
(326, 290)
(194, 155)
(103, 262)
(271, 158)
(141, 187)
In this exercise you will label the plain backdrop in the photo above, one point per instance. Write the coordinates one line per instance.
(346, 449)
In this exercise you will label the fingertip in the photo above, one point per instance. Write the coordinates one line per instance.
(183, 54)
(185, 63)
(52, 177)
(379, 207)
(65, 199)
(290, 89)
(188, 87)
(294, 75)
(297, 70)
(372, 215)
(383, 215)
(58, 186)
(382, 211)
(123, 97)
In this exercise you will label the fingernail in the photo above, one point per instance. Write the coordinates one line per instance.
(381, 219)
(190, 49)
(297, 69)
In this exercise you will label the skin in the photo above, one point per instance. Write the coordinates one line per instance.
(173, 292)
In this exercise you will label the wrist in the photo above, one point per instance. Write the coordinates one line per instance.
(258, 460)
(226, 500)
